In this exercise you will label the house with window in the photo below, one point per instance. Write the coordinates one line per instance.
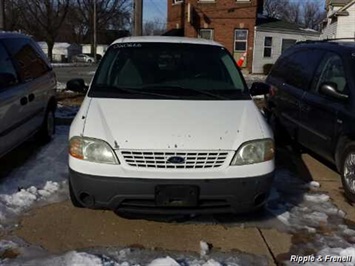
(230, 22)
(272, 37)
(239, 25)
(340, 21)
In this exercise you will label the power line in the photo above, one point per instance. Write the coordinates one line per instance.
(158, 8)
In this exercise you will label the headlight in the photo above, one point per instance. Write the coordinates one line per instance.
(93, 150)
(255, 151)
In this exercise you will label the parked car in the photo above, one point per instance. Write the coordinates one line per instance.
(98, 57)
(312, 98)
(27, 91)
(83, 58)
(168, 126)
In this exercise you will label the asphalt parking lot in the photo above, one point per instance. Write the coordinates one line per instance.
(307, 211)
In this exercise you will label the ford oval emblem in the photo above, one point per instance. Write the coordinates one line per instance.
(176, 160)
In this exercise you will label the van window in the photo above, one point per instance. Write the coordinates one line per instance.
(28, 62)
(297, 68)
(179, 70)
(8, 76)
(331, 69)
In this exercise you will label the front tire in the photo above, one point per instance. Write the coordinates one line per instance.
(47, 130)
(348, 171)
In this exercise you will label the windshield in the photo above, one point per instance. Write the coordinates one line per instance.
(168, 71)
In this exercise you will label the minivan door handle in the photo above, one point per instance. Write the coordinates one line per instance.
(23, 101)
(31, 97)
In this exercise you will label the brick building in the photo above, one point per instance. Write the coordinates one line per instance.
(230, 22)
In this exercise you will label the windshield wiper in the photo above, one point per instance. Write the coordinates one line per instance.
(115, 89)
(203, 92)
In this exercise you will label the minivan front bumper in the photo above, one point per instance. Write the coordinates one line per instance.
(171, 196)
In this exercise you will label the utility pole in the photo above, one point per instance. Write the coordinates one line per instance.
(95, 30)
(2, 15)
(138, 17)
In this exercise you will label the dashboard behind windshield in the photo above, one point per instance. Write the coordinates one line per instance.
(168, 70)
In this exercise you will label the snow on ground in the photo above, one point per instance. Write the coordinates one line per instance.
(65, 111)
(40, 180)
(35, 256)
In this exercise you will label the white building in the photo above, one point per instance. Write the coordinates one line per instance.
(100, 49)
(340, 22)
(62, 51)
(272, 37)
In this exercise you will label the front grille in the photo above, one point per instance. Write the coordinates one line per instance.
(192, 160)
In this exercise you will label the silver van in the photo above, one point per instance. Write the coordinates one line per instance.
(27, 92)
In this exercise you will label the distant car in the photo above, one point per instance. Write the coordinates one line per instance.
(98, 56)
(312, 100)
(168, 126)
(27, 92)
(83, 58)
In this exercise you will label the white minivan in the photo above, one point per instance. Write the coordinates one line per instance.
(168, 126)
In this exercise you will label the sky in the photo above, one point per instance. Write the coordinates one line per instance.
(154, 9)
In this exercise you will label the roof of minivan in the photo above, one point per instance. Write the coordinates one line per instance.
(166, 39)
(5, 35)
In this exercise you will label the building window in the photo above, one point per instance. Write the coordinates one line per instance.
(240, 40)
(287, 43)
(177, 1)
(206, 34)
(267, 46)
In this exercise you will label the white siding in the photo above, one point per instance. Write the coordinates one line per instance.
(100, 49)
(258, 57)
(346, 24)
(341, 26)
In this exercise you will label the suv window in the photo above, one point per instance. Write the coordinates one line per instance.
(8, 76)
(297, 68)
(331, 69)
(28, 61)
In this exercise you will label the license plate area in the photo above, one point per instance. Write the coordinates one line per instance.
(176, 196)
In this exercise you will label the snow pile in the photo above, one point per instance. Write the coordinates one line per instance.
(36, 256)
(16, 203)
(164, 262)
(61, 86)
(35, 182)
(311, 217)
(64, 111)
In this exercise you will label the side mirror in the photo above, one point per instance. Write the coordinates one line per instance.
(77, 85)
(329, 89)
(259, 88)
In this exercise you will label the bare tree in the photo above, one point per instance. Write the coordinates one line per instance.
(312, 15)
(43, 19)
(306, 13)
(13, 16)
(293, 12)
(154, 27)
(110, 15)
(275, 8)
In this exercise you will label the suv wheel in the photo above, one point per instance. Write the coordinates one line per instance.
(48, 127)
(348, 171)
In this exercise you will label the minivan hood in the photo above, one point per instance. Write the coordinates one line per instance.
(174, 124)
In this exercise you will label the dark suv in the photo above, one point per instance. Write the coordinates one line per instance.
(312, 97)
